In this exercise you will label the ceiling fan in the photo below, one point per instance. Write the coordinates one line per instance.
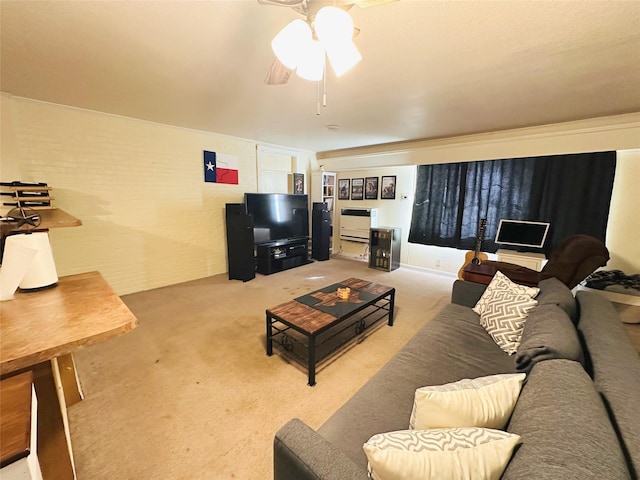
(303, 45)
(306, 7)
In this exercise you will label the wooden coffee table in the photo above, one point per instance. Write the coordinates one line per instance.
(313, 326)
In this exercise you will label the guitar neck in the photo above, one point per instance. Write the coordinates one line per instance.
(480, 236)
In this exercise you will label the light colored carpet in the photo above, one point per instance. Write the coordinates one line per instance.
(191, 394)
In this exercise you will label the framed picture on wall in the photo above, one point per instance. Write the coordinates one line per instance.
(298, 183)
(343, 188)
(371, 188)
(388, 190)
(357, 188)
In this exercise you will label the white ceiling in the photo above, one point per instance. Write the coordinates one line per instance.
(430, 68)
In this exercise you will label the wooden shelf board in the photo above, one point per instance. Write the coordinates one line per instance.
(56, 217)
(27, 188)
(34, 198)
(50, 218)
(31, 207)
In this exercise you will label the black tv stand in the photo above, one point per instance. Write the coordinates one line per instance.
(279, 255)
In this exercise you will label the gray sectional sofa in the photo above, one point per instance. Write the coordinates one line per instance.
(578, 413)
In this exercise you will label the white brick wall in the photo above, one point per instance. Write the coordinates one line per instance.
(149, 219)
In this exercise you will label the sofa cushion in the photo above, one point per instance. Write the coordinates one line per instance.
(553, 291)
(548, 333)
(481, 402)
(614, 365)
(477, 453)
(450, 347)
(466, 293)
(566, 432)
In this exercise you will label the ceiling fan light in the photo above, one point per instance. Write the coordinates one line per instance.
(311, 65)
(288, 45)
(332, 24)
(343, 57)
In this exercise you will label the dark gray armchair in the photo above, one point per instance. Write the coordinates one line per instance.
(576, 258)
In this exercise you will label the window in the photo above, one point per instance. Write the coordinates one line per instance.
(572, 192)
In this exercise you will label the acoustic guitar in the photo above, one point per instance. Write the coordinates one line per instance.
(476, 257)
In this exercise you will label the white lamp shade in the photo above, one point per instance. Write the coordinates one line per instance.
(311, 65)
(343, 57)
(333, 25)
(289, 44)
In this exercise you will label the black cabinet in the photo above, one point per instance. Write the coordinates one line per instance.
(384, 244)
(281, 255)
(240, 248)
(320, 231)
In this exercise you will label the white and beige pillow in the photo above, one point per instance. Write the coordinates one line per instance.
(481, 402)
(469, 452)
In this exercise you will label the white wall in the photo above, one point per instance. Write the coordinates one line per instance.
(620, 133)
(397, 213)
(391, 213)
(149, 219)
(624, 215)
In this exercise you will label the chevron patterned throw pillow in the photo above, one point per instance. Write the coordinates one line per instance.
(503, 318)
(503, 309)
(500, 282)
(478, 453)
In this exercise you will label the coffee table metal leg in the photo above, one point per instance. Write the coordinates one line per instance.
(312, 361)
(269, 336)
(392, 298)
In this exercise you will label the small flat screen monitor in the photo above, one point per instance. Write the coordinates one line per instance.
(522, 233)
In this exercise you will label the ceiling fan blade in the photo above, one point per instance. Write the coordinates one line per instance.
(372, 3)
(278, 74)
(281, 3)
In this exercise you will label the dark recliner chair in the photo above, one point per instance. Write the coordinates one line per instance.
(576, 258)
(573, 260)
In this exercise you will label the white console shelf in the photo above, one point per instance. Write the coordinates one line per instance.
(534, 261)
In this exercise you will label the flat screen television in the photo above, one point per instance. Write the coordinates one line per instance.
(278, 216)
(522, 233)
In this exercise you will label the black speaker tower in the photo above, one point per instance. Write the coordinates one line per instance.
(320, 231)
(240, 254)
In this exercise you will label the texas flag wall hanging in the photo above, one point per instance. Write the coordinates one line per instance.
(220, 168)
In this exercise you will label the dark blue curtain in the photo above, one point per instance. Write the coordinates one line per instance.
(571, 192)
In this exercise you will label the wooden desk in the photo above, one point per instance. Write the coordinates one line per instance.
(15, 417)
(39, 331)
